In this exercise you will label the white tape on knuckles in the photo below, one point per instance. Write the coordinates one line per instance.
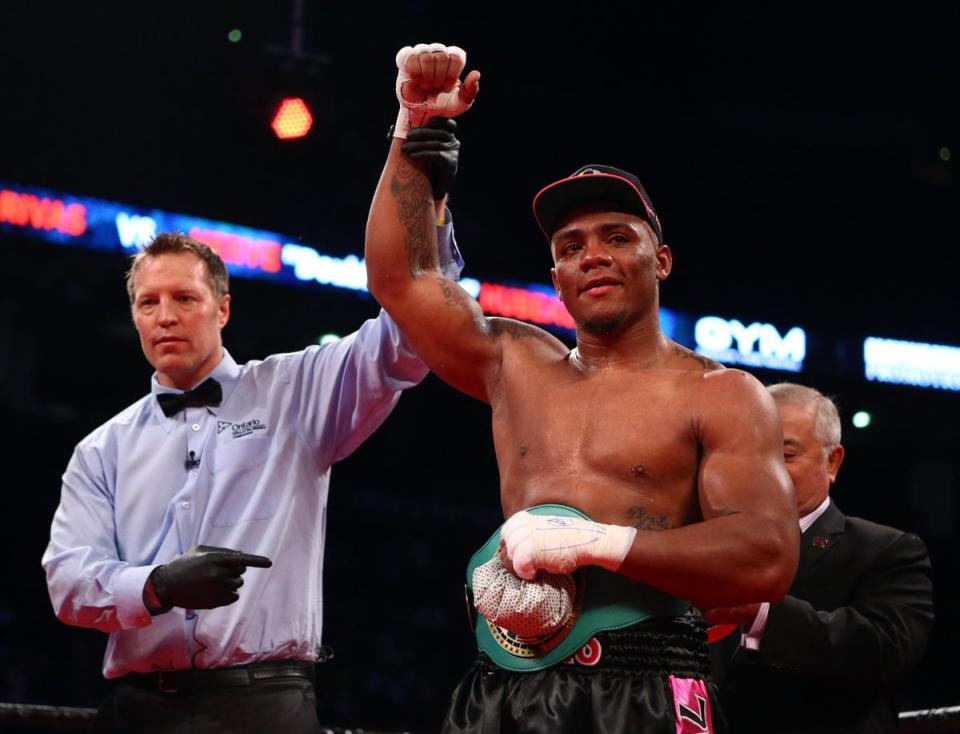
(404, 53)
(448, 101)
(445, 104)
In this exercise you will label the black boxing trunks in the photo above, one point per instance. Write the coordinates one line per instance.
(653, 677)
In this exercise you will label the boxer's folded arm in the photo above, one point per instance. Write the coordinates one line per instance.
(746, 547)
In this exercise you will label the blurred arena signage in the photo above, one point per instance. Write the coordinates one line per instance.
(538, 304)
(42, 213)
(81, 221)
(67, 219)
(911, 363)
(107, 225)
(753, 345)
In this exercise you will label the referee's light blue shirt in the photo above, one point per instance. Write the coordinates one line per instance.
(130, 502)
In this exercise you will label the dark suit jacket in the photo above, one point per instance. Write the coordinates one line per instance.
(835, 651)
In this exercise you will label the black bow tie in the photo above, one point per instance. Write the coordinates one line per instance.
(207, 392)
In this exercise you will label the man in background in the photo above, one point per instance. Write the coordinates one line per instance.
(833, 655)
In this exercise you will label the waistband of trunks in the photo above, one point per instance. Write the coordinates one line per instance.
(656, 647)
(672, 646)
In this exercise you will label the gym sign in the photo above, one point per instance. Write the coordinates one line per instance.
(752, 345)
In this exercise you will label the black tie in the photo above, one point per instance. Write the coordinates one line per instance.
(207, 392)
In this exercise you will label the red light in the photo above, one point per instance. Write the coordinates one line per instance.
(292, 119)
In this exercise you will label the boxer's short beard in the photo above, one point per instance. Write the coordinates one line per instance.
(603, 325)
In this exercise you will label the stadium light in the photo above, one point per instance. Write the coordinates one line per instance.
(292, 119)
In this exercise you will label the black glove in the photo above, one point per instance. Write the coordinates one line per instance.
(203, 578)
(436, 145)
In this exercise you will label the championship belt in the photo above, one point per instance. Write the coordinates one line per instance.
(604, 601)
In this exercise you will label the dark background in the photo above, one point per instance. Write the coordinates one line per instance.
(793, 154)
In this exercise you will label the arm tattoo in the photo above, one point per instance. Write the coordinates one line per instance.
(708, 364)
(411, 190)
(641, 520)
(516, 329)
(454, 295)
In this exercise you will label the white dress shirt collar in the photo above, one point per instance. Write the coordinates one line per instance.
(811, 517)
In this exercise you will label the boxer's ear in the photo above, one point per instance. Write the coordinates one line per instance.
(664, 262)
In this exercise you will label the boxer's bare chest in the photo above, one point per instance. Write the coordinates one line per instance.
(618, 444)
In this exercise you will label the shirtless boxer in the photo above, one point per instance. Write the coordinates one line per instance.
(675, 460)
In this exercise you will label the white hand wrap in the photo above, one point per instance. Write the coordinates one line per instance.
(563, 544)
(447, 103)
(530, 609)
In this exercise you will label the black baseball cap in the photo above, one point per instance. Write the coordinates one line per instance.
(594, 183)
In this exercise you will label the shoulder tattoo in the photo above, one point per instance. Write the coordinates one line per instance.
(516, 329)
(707, 364)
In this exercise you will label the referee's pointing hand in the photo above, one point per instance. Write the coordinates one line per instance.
(204, 577)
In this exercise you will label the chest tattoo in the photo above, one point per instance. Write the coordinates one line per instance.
(642, 520)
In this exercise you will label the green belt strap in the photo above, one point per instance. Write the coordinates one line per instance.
(604, 601)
